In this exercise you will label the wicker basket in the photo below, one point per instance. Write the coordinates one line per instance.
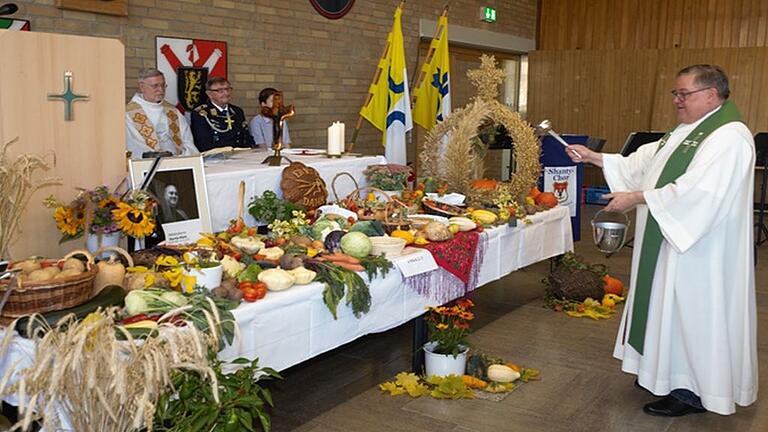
(577, 285)
(45, 296)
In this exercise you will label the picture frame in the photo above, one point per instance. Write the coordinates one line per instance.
(182, 195)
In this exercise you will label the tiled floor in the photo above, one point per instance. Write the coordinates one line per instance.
(582, 389)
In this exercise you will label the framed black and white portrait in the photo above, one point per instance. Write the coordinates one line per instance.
(178, 183)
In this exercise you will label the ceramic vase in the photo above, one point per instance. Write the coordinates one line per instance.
(208, 277)
(94, 242)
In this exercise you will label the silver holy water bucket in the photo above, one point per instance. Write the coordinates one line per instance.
(609, 230)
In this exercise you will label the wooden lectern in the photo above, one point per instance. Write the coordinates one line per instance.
(89, 149)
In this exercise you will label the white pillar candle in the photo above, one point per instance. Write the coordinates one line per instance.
(336, 139)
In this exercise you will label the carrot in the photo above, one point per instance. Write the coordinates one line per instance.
(348, 266)
(340, 257)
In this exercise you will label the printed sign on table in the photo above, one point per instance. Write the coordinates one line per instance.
(562, 182)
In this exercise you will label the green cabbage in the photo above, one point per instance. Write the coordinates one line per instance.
(356, 244)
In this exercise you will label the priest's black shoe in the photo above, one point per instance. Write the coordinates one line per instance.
(669, 406)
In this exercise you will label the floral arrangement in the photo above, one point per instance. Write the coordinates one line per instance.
(449, 326)
(388, 177)
(98, 211)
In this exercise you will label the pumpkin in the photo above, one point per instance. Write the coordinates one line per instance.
(485, 184)
(473, 382)
(534, 192)
(546, 199)
(613, 285)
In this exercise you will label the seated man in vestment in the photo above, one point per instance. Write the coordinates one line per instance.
(153, 124)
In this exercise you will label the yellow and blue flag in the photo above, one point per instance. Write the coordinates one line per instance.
(389, 108)
(433, 96)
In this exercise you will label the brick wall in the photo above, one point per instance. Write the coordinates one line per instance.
(323, 66)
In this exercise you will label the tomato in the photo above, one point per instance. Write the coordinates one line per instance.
(351, 220)
(251, 232)
(261, 289)
(245, 285)
(250, 294)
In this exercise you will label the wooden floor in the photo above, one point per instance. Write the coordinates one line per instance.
(582, 389)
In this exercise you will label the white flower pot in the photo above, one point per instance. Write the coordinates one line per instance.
(444, 364)
(94, 242)
(208, 278)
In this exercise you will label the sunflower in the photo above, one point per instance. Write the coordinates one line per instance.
(111, 202)
(133, 221)
(68, 220)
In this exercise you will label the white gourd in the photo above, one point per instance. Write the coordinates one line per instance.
(502, 374)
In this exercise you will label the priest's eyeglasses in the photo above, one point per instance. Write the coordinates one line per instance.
(683, 95)
(221, 90)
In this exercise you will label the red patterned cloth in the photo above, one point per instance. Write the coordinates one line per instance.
(456, 255)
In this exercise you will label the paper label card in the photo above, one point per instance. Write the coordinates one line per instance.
(414, 261)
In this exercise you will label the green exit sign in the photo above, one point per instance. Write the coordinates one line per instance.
(488, 14)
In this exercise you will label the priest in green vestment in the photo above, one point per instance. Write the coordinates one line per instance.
(689, 328)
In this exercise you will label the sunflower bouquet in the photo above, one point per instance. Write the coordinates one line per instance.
(99, 211)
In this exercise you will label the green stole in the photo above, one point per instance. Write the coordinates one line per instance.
(676, 166)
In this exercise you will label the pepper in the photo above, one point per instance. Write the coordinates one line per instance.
(135, 318)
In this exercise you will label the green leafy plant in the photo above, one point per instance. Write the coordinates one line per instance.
(269, 207)
(389, 177)
(242, 400)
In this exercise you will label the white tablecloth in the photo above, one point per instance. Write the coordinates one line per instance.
(223, 176)
(289, 327)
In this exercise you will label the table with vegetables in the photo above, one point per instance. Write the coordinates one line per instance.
(319, 278)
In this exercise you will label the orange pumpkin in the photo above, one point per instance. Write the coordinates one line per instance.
(486, 184)
(534, 192)
(613, 285)
(546, 199)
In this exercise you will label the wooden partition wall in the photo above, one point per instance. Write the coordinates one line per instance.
(610, 93)
(611, 24)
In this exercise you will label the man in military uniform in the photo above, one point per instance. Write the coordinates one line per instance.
(218, 123)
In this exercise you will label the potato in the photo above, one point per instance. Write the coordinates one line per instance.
(39, 275)
(28, 266)
(52, 271)
(75, 264)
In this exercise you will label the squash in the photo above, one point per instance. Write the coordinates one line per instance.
(546, 199)
(613, 285)
(502, 373)
(111, 270)
(473, 382)
(302, 276)
(485, 184)
(465, 224)
(534, 192)
(484, 217)
(405, 235)
(276, 279)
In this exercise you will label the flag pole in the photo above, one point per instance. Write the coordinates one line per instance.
(430, 54)
(376, 76)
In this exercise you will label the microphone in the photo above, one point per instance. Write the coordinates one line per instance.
(8, 9)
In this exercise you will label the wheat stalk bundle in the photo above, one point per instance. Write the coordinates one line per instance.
(97, 376)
